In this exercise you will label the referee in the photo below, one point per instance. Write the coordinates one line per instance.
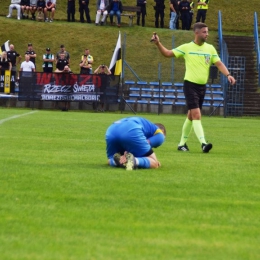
(199, 56)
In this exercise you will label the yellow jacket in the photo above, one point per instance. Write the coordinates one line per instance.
(203, 4)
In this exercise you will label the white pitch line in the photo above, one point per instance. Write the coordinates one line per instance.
(16, 116)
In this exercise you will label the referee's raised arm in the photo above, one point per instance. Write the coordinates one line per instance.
(164, 51)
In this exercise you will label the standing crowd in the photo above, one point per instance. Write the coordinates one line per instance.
(179, 10)
(59, 62)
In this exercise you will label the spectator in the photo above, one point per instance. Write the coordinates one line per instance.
(191, 12)
(26, 71)
(63, 51)
(184, 8)
(102, 6)
(5, 62)
(12, 55)
(62, 65)
(86, 63)
(174, 11)
(48, 60)
(40, 9)
(15, 4)
(102, 70)
(142, 4)
(83, 8)
(31, 53)
(159, 13)
(49, 10)
(27, 65)
(71, 11)
(202, 7)
(130, 142)
(25, 8)
(115, 8)
(33, 8)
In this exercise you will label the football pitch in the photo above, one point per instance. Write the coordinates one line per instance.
(60, 200)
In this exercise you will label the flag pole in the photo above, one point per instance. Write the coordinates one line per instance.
(122, 99)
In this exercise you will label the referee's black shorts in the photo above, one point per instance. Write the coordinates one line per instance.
(194, 94)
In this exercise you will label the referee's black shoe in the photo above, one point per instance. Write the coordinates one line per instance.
(206, 147)
(183, 148)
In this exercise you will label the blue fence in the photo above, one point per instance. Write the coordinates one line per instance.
(256, 37)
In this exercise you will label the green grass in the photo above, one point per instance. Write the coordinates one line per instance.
(237, 15)
(59, 199)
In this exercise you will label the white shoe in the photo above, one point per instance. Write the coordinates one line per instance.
(18, 18)
(8, 16)
(46, 20)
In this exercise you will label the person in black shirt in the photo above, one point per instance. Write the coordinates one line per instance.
(12, 55)
(83, 8)
(5, 63)
(142, 4)
(25, 8)
(174, 13)
(31, 53)
(62, 64)
(184, 8)
(159, 12)
(71, 11)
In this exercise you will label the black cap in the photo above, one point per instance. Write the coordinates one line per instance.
(62, 46)
(48, 49)
(29, 44)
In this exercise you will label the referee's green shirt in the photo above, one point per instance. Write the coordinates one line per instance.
(198, 60)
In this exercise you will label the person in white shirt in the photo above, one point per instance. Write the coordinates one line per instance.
(27, 65)
(15, 4)
(102, 6)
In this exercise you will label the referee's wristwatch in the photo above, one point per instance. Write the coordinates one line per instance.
(228, 75)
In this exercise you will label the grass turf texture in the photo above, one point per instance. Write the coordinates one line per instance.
(59, 199)
(230, 9)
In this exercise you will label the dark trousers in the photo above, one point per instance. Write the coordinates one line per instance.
(71, 12)
(48, 69)
(190, 21)
(201, 14)
(178, 22)
(159, 13)
(84, 9)
(143, 13)
(185, 20)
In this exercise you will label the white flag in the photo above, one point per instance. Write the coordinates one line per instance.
(116, 61)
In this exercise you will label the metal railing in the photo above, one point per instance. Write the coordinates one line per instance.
(224, 55)
(257, 49)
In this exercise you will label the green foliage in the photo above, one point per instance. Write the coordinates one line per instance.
(59, 199)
